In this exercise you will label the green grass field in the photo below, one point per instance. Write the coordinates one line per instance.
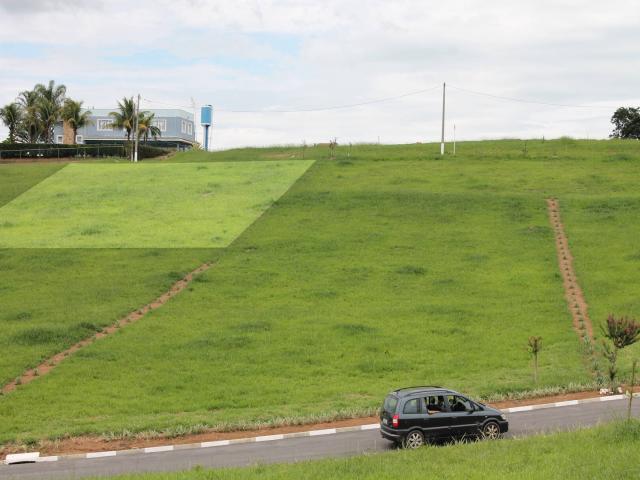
(52, 298)
(608, 452)
(383, 267)
(144, 206)
(17, 179)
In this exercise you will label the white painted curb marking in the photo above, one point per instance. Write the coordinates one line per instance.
(112, 453)
(519, 409)
(53, 458)
(269, 438)
(165, 448)
(30, 457)
(326, 431)
(371, 426)
(217, 443)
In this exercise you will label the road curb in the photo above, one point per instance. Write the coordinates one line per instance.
(283, 436)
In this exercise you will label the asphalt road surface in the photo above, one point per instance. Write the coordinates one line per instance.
(302, 448)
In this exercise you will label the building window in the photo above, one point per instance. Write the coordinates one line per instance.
(79, 139)
(59, 138)
(104, 125)
(187, 127)
(161, 124)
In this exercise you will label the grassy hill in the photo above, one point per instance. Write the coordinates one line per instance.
(383, 266)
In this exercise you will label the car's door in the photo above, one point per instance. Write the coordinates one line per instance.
(464, 416)
(435, 419)
(411, 414)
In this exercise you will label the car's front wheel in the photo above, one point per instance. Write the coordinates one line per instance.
(414, 439)
(491, 431)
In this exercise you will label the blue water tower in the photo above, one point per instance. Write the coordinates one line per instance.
(206, 116)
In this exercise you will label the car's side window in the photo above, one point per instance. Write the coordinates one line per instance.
(459, 404)
(412, 406)
(435, 404)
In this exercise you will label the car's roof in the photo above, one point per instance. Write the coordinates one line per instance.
(403, 392)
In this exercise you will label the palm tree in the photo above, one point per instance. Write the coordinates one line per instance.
(123, 119)
(52, 92)
(48, 114)
(11, 116)
(72, 114)
(30, 126)
(146, 126)
(49, 106)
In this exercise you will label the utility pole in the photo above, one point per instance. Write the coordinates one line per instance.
(135, 122)
(444, 92)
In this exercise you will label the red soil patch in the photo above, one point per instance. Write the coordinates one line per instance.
(52, 362)
(573, 293)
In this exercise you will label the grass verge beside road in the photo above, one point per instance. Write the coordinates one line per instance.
(605, 452)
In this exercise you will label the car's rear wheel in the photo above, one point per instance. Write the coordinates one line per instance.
(491, 431)
(414, 439)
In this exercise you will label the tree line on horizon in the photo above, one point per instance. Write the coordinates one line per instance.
(35, 113)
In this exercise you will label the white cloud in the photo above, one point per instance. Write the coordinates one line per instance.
(283, 54)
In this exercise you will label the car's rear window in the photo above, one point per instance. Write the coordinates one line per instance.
(390, 404)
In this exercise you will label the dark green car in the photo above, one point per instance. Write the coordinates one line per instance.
(411, 416)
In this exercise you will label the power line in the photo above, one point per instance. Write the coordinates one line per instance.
(316, 109)
(337, 107)
(394, 97)
(521, 100)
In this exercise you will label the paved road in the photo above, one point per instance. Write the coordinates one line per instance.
(303, 448)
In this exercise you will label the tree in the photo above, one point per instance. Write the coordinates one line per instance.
(30, 127)
(621, 332)
(11, 116)
(626, 123)
(52, 92)
(48, 115)
(50, 101)
(146, 127)
(535, 345)
(123, 119)
(72, 114)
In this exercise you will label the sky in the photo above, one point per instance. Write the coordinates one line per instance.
(253, 59)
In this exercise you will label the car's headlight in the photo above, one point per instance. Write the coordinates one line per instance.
(502, 416)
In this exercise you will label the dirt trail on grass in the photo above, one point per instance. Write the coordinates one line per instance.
(573, 293)
(52, 362)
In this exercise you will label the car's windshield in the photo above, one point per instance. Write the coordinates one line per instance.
(390, 404)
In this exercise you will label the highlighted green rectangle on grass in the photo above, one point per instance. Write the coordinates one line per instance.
(145, 205)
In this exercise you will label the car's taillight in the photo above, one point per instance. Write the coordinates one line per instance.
(395, 421)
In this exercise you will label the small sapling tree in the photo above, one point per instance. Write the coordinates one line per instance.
(332, 148)
(534, 346)
(621, 332)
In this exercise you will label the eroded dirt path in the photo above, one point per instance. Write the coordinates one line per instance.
(52, 362)
(573, 293)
